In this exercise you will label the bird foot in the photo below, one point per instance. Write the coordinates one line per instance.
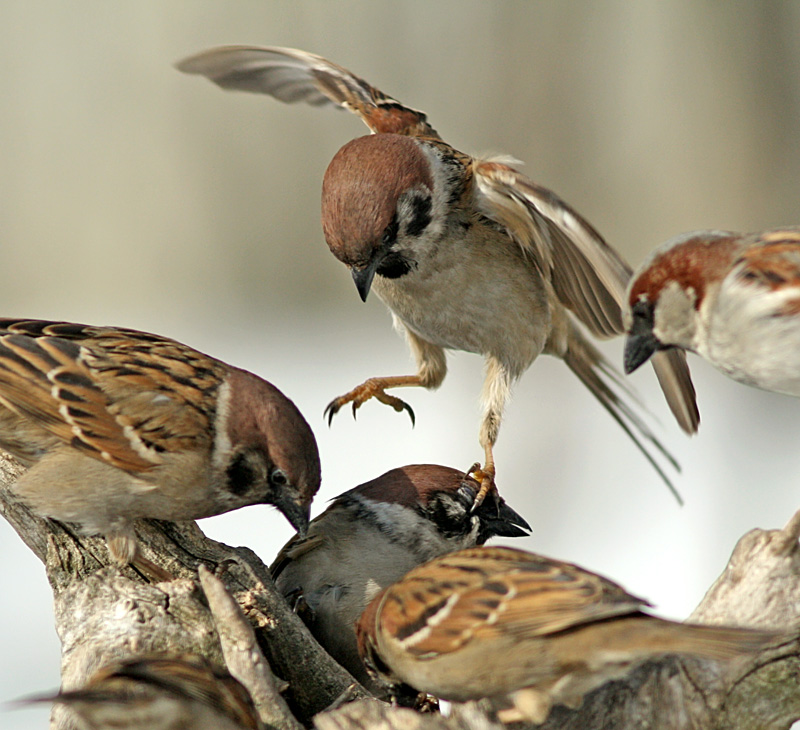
(372, 388)
(485, 476)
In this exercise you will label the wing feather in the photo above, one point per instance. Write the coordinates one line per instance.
(588, 276)
(121, 396)
(473, 588)
(291, 75)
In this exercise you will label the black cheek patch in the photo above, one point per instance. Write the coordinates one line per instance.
(240, 475)
(395, 265)
(420, 217)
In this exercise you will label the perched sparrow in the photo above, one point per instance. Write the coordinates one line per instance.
(161, 693)
(467, 253)
(373, 535)
(521, 628)
(732, 298)
(117, 425)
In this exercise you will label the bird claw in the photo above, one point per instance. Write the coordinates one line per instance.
(485, 476)
(372, 388)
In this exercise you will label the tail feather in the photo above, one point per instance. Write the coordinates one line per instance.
(594, 371)
(710, 642)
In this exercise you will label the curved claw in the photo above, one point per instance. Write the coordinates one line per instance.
(485, 477)
(372, 388)
(408, 409)
(331, 410)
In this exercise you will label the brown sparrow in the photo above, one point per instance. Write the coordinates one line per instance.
(116, 425)
(522, 629)
(161, 692)
(467, 253)
(374, 534)
(732, 298)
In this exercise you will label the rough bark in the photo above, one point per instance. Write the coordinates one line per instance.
(103, 613)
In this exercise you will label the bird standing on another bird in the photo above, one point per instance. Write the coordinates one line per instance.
(523, 630)
(467, 253)
(732, 298)
(116, 425)
(374, 534)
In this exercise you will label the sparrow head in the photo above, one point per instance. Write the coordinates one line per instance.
(267, 449)
(429, 507)
(376, 195)
(667, 293)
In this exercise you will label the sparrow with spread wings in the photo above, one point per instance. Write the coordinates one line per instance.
(467, 253)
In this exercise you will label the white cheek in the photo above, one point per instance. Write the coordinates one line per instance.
(675, 317)
(222, 442)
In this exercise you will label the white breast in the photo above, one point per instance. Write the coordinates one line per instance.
(749, 339)
(475, 293)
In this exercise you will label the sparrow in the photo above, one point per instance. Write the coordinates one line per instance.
(732, 298)
(522, 629)
(466, 252)
(116, 425)
(161, 692)
(370, 536)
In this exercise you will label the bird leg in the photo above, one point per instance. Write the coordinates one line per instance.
(125, 550)
(495, 395)
(485, 476)
(528, 705)
(375, 388)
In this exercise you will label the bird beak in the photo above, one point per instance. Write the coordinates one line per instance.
(297, 514)
(638, 350)
(499, 519)
(363, 277)
(641, 342)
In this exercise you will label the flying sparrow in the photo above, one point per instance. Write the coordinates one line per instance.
(732, 298)
(374, 534)
(467, 253)
(161, 692)
(116, 425)
(522, 629)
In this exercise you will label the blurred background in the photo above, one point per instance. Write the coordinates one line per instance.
(133, 195)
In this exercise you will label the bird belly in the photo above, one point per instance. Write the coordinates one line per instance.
(498, 307)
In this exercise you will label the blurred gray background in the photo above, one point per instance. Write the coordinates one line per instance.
(133, 195)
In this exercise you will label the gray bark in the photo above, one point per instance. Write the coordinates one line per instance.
(104, 612)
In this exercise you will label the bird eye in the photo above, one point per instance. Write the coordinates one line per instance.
(390, 232)
(278, 477)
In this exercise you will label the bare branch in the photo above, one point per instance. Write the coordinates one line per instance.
(243, 656)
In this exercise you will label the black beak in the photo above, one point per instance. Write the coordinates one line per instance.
(297, 515)
(497, 518)
(641, 343)
(363, 277)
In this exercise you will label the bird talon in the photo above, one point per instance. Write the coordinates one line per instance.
(485, 476)
(408, 409)
(360, 395)
(331, 410)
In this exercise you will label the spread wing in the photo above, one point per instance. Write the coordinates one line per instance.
(291, 75)
(472, 594)
(120, 396)
(588, 276)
